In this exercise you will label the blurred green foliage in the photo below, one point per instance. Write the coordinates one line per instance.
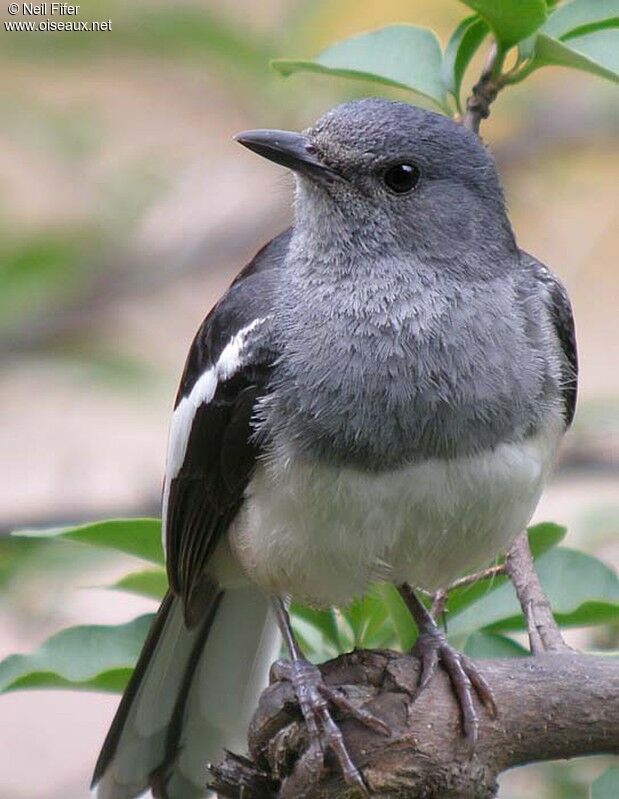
(41, 272)
(194, 33)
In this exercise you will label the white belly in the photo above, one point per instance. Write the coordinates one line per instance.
(321, 533)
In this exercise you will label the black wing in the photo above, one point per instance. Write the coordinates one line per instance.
(211, 451)
(560, 308)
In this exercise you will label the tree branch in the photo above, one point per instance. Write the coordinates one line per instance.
(550, 706)
(544, 633)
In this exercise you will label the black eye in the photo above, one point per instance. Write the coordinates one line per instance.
(402, 178)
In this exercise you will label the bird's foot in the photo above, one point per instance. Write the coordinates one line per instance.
(314, 698)
(432, 648)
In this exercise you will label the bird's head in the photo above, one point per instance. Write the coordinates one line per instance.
(391, 174)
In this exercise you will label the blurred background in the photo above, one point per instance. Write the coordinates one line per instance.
(125, 209)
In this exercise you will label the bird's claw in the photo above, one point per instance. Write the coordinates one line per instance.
(432, 648)
(314, 697)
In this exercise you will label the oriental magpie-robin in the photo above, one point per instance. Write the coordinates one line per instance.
(379, 395)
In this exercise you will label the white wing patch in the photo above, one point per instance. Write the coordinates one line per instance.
(203, 391)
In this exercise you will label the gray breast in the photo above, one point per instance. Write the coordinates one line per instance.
(392, 368)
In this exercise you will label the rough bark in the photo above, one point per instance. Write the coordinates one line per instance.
(550, 706)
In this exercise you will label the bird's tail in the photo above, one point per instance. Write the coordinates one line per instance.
(192, 694)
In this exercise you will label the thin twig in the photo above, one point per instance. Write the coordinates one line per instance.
(544, 633)
(485, 90)
(439, 598)
(491, 571)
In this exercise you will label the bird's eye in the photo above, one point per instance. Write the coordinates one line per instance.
(402, 178)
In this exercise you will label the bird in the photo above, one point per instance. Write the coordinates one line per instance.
(379, 395)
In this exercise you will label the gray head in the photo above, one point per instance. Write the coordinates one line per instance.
(392, 175)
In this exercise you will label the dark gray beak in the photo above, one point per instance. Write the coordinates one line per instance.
(292, 150)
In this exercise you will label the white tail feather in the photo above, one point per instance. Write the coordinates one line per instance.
(228, 677)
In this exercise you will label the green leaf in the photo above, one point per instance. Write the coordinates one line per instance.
(139, 537)
(461, 47)
(542, 537)
(586, 615)
(545, 536)
(581, 16)
(397, 55)
(510, 22)
(344, 630)
(582, 591)
(597, 53)
(317, 632)
(526, 48)
(606, 786)
(94, 657)
(371, 623)
(398, 615)
(461, 598)
(492, 645)
(601, 47)
(150, 583)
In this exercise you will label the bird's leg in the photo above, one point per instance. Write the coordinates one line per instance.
(431, 648)
(314, 698)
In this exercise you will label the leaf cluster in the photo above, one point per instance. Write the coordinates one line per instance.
(581, 34)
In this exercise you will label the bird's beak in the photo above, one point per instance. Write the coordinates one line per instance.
(292, 150)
